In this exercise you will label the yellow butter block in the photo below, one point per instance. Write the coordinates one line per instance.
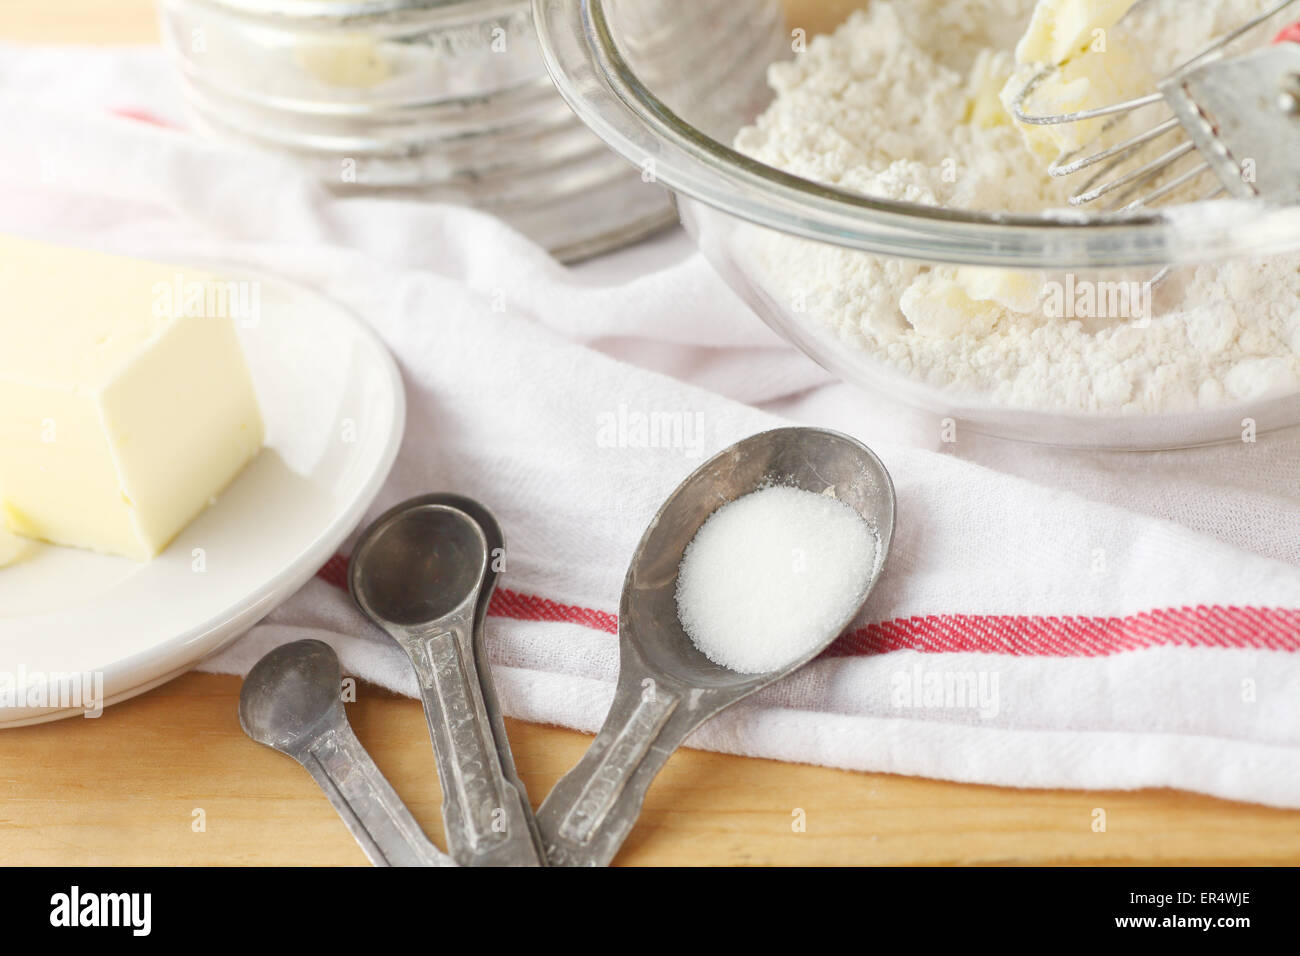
(125, 401)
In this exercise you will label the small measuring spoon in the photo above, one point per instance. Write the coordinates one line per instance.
(291, 702)
(424, 572)
(666, 687)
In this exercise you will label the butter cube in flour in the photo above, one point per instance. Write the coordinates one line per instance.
(1093, 70)
(1060, 30)
(124, 407)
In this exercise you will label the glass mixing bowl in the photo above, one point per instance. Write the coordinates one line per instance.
(616, 64)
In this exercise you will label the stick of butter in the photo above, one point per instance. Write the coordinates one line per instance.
(125, 401)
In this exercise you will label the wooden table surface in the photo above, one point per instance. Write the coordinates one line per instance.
(133, 786)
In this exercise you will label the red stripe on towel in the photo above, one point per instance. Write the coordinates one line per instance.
(1276, 629)
(142, 116)
(1258, 628)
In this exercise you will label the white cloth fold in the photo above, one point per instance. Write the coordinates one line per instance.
(1119, 620)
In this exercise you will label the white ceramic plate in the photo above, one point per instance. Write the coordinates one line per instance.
(332, 400)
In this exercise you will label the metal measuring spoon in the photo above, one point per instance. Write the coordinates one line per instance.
(666, 687)
(291, 702)
(424, 572)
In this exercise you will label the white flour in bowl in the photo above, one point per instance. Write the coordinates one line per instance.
(902, 102)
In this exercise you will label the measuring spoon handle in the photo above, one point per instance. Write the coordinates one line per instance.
(367, 802)
(589, 813)
(485, 815)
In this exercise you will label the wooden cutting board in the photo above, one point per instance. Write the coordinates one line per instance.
(169, 778)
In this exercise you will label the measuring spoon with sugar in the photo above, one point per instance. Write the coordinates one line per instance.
(666, 686)
(424, 572)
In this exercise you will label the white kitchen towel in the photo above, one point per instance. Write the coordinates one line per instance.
(1119, 620)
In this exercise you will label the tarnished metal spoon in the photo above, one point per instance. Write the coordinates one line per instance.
(292, 701)
(666, 687)
(424, 572)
